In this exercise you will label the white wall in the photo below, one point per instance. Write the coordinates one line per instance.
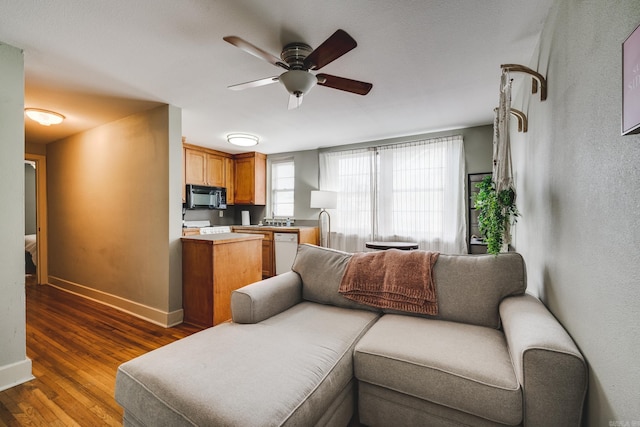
(15, 367)
(578, 184)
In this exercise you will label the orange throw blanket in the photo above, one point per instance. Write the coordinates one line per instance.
(395, 279)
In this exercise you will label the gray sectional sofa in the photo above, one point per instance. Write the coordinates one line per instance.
(298, 353)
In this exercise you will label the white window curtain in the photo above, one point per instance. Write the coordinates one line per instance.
(401, 192)
(351, 174)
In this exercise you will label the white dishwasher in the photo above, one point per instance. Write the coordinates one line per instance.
(286, 249)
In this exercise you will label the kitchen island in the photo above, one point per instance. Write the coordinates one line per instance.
(213, 266)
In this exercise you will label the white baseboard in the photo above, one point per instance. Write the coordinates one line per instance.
(150, 314)
(15, 373)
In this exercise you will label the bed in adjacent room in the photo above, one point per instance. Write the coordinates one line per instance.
(30, 253)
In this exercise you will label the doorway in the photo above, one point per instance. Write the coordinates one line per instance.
(42, 271)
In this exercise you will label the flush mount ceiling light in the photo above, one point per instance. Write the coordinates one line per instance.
(44, 117)
(242, 139)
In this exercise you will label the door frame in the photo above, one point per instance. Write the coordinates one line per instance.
(42, 268)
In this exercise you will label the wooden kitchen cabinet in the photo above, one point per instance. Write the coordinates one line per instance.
(268, 266)
(230, 171)
(251, 178)
(207, 167)
(216, 172)
(190, 231)
(243, 175)
(305, 235)
(309, 235)
(213, 266)
(195, 167)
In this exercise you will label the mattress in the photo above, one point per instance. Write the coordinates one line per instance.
(31, 247)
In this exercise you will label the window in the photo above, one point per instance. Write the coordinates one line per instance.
(405, 192)
(282, 187)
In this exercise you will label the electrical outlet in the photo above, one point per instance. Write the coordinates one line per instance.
(221, 213)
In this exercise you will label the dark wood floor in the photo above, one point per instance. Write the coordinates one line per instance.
(76, 346)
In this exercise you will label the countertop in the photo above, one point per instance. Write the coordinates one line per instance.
(220, 238)
(284, 229)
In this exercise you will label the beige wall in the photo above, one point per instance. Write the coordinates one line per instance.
(578, 192)
(113, 195)
(32, 148)
(15, 367)
(29, 199)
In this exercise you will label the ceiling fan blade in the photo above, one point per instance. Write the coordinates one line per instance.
(331, 49)
(294, 101)
(255, 51)
(254, 83)
(341, 83)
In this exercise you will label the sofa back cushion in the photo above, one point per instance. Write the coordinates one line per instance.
(321, 270)
(469, 288)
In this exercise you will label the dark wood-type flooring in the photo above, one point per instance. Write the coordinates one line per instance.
(76, 346)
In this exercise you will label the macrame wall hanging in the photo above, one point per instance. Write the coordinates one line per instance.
(502, 170)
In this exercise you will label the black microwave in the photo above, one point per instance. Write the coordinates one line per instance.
(203, 197)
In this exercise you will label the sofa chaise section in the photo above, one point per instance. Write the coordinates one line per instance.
(292, 367)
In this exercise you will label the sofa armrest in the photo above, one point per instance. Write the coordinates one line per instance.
(261, 300)
(549, 366)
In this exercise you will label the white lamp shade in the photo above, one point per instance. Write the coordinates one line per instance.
(324, 199)
(298, 82)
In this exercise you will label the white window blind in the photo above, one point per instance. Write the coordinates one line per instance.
(401, 192)
(282, 187)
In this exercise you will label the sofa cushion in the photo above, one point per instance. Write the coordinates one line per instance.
(321, 270)
(381, 407)
(459, 366)
(469, 288)
(286, 370)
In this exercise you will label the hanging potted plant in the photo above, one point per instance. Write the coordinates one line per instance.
(496, 210)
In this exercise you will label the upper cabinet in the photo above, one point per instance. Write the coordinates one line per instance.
(216, 171)
(204, 167)
(251, 179)
(230, 169)
(195, 166)
(243, 175)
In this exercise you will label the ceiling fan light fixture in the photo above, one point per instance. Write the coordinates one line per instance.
(44, 117)
(242, 139)
(298, 82)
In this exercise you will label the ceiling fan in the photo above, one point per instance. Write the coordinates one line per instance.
(298, 59)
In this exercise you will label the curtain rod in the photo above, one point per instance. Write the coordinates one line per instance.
(378, 144)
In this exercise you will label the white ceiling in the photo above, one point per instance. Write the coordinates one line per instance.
(434, 64)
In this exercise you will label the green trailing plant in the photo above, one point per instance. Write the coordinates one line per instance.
(496, 210)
